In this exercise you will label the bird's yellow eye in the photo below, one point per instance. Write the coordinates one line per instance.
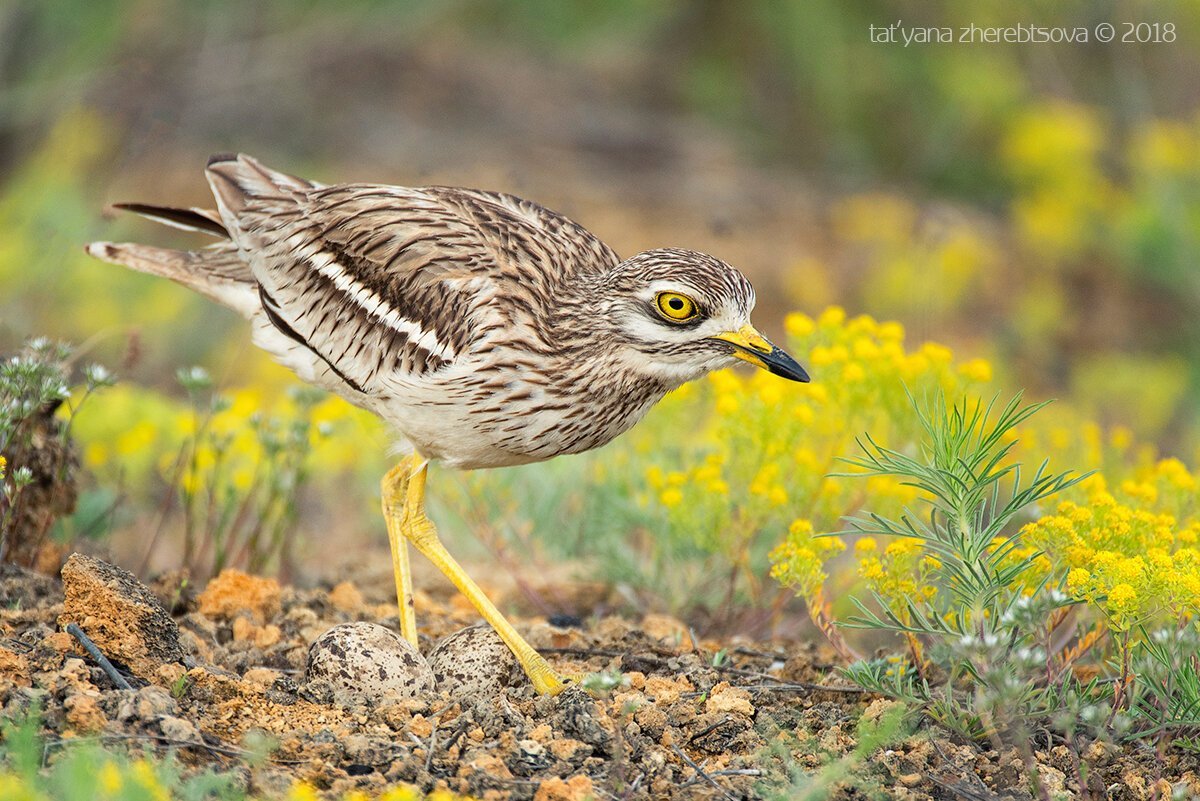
(676, 307)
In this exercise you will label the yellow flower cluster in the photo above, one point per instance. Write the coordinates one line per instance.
(1132, 553)
(766, 448)
(915, 270)
(302, 791)
(145, 779)
(799, 560)
(141, 432)
(899, 574)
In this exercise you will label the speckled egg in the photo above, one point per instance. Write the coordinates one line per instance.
(365, 662)
(473, 662)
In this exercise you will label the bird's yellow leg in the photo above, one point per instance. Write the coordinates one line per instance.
(394, 485)
(420, 531)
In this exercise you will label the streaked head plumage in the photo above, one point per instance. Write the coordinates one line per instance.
(679, 314)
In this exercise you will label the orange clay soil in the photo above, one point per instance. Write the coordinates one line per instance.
(677, 726)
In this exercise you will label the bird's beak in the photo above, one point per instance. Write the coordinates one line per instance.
(751, 346)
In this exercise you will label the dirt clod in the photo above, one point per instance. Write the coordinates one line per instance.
(233, 592)
(577, 788)
(120, 615)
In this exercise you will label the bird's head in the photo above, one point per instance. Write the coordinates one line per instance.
(678, 314)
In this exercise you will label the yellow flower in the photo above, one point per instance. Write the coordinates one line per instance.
(891, 332)
(798, 325)
(832, 317)
(110, 778)
(144, 774)
(1078, 581)
(671, 498)
(403, 793)
(865, 545)
(302, 791)
(976, 370)
(728, 405)
(1121, 604)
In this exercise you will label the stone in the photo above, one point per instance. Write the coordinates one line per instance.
(576, 788)
(723, 698)
(668, 631)
(345, 597)
(178, 729)
(146, 704)
(233, 591)
(473, 662)
(14, 670)
(367, 663)
(84, 713)
(120, 615)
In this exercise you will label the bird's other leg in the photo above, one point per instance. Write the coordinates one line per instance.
(420, 531)
(395, 492)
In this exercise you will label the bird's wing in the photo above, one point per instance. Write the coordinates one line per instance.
(379, 280)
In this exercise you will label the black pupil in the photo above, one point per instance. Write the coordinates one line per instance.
(675, 303)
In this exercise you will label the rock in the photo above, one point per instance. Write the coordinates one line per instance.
(666, 691)
(569, 750)
(345, 597)
(576, 788)
(367, 663)
(373, 751)
(119, 614)
(147, 704)
(233, 591)
(473, 661)
(1055, 781)
(178, 729)
(26, 589)
(14, 671)
(84, 713)
(261, 636)
(262, 678)
(174, 590)
(668, 631)
(723, 698)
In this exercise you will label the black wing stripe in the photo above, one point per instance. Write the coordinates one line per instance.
(271, 308)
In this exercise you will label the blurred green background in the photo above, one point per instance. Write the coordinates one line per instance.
(1034, 204)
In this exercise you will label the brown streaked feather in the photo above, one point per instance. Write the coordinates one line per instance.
(393, 261)
(217, 272)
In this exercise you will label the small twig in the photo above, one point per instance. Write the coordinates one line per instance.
(656, 660)
(100, 658)
(432, 746)
(741, 772)
(707, 729)
(223, 749)
(786, 687)
(772, 655)
(700, 772)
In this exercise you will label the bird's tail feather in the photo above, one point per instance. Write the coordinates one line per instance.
(190, 219)
(217, 272)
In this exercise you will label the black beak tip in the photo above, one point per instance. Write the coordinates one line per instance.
(784, 366)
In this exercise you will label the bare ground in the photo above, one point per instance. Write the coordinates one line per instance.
(684, 722)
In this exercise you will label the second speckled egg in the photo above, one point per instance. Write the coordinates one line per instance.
(473, 662)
